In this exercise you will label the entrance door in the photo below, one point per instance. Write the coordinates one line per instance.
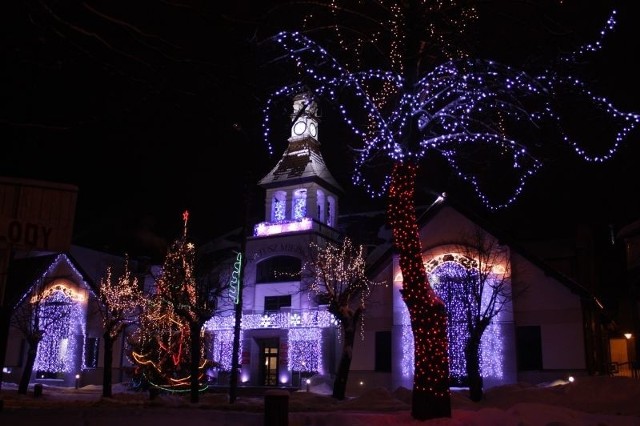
(269, 362)
(619, 357)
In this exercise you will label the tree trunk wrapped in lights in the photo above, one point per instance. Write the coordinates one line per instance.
(426, 311)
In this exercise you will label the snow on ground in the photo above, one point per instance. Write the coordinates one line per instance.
(589, 401)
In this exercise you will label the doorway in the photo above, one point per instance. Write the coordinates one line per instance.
(269, 351)
(619, 357)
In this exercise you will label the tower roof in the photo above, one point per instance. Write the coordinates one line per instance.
(301, 162)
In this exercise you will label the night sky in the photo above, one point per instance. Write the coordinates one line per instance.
(152, 107)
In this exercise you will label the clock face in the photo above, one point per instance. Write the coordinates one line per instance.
(299, 127)
(313, 131)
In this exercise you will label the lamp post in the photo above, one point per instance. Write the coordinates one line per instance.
(631, 349)
(78, 381)
(235, 364)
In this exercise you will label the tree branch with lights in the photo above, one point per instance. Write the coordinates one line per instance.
(338, 278)
(119, 299)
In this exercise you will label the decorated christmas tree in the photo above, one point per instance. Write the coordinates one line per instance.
(162, 347)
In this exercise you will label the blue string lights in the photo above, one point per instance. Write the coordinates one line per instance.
(461, 106)
(482, 117)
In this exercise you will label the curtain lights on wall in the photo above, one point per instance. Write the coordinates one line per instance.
(61, 347)
(302, 327)
(305, 350)
(62, 317)
(447, 278)
(222, 348)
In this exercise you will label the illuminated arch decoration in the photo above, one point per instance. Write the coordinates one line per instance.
(61, 347)
(445, 273)
(72, 293)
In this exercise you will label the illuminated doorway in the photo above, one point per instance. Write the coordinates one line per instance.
(619, 351)
(269, 361)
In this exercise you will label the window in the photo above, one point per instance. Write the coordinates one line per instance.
(278, 206)
(300, 204)
(331, 211)
(279, 268)
(383, 351)
(274, 303)
(321, 203)
(529, 347)
(91, 352)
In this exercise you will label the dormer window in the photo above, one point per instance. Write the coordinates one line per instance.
(299, 204)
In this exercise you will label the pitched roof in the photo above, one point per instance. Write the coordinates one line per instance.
(24, 272)
(563, 279)
(385, 249)
(301, 162)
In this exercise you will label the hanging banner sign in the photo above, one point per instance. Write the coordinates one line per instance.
(234, 284)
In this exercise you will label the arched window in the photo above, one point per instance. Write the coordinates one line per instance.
(320, 205)
(331, 211)
(278, 268)
(299, 204)
(278, 205)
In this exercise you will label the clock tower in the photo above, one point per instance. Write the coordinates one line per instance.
(304, 117)
(300, 190)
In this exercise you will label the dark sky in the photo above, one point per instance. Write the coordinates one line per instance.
(152, 107)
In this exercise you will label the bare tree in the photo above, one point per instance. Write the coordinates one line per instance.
(481, 289)
(338, 278)
(39, 312)
(118, 304)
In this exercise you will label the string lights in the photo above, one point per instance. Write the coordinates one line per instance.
(471, 112)
(460, 106)
(160, 347)
(304, 336)
(64, 337)
(448, 279)
(56, 311)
